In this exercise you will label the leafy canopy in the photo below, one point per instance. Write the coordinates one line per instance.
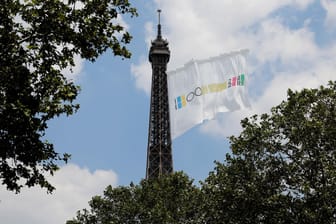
(282, 169)
(283, 165)
(168, 199)
(38, 40)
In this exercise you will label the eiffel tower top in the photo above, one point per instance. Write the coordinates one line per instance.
(159, 45)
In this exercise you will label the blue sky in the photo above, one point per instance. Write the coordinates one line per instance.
(292, 45)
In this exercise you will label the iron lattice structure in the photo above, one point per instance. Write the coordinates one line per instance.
(159, 151)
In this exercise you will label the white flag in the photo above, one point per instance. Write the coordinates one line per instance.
(202, 88)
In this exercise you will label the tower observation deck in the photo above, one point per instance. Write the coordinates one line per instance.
(159, 151)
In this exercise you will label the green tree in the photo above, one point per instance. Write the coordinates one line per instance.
(283, 165)
(38, 40)
(168, 199)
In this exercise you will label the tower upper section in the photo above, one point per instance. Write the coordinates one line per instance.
(159, 46)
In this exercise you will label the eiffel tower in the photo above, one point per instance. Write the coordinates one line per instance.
(159, 150)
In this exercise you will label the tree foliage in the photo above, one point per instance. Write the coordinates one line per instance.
(169, 199)
(283, 165)
(282, 169)
(38, 40)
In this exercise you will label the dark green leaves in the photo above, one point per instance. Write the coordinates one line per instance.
(283, 167)
(38, 39)
(169, 199)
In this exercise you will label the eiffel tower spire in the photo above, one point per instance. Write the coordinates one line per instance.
(159, 151)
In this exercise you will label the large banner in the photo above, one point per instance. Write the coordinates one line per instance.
(203, 88)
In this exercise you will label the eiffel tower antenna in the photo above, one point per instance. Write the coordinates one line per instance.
(159, 23)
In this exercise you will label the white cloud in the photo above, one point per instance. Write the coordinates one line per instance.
(200, 29)
(120, 21)
(330, 7)
(150, 34)
(274, 41)
(228, 124)
(281, 56)
(73, 73)
(142, 73)
(75, 186)
(303, 4)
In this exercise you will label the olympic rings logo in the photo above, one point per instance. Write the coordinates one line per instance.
(181, 101)
(191, 95)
